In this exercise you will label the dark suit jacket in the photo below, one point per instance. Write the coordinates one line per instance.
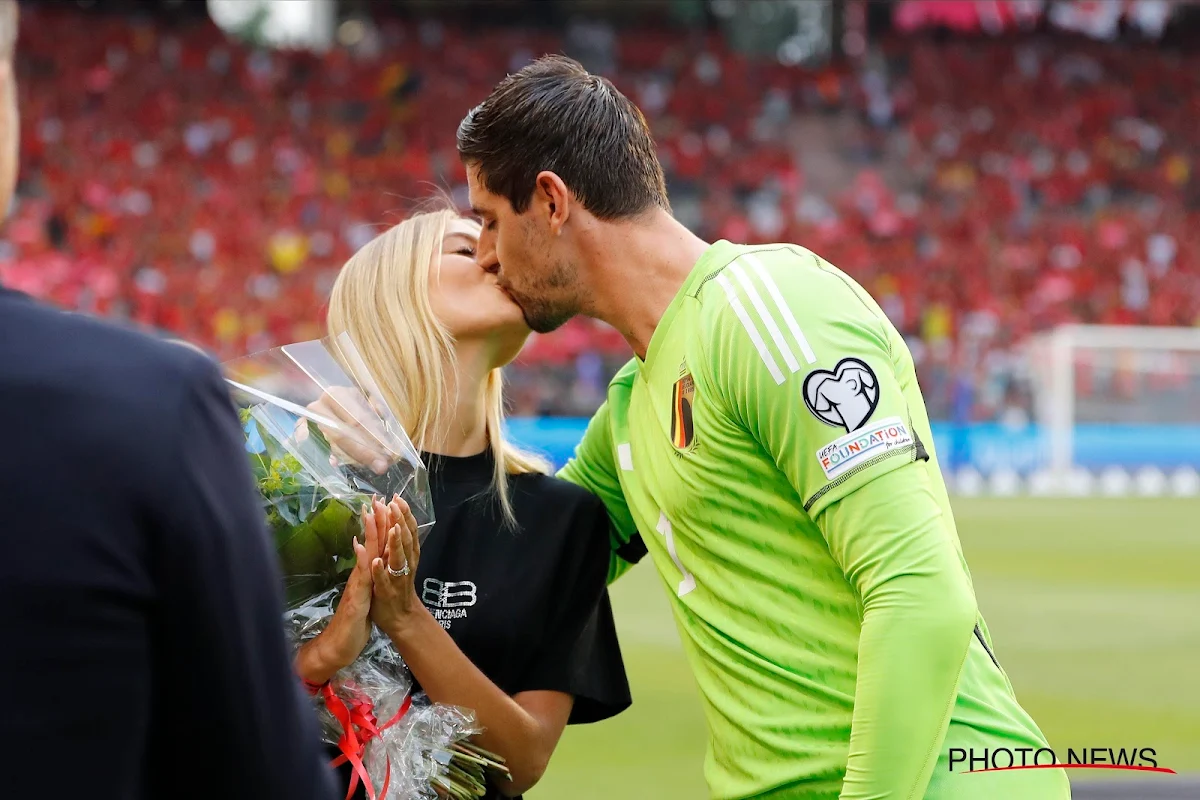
(142, 652)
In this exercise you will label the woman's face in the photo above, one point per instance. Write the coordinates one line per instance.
(468, 300)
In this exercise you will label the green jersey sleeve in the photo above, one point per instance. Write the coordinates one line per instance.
(809, 366)
(807, 363)
(919, 615)
(594, 467)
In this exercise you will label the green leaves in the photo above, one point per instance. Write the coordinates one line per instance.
(314, 433)
(313, 532)
(260, 466)
(335, 524)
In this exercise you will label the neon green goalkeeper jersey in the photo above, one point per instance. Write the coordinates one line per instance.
(774, 453)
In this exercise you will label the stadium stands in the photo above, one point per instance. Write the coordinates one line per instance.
(186, 183)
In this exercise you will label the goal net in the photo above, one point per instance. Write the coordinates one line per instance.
(1119, 404)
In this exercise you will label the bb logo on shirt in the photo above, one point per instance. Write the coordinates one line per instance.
(857, 449)
(448, 600)
(844, 398)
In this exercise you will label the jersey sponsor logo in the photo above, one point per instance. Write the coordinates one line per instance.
(844, 398)
(448, 600)
(858, 447)
(683, 429)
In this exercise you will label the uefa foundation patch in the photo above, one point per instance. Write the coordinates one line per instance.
(862, 445)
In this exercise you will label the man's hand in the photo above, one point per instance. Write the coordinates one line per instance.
(357, 439)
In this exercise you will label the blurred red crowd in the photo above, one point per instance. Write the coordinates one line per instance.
(1051, 182)
(188, 183)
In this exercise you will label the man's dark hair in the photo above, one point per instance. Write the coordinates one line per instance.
(554, 115)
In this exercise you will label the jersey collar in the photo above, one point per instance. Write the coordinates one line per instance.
(716, 255)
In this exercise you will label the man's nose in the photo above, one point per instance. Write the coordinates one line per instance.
(485, 255)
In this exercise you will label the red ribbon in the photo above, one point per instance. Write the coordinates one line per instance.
(359, 726)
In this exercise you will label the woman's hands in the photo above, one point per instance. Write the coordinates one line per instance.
(351, 623)
(381, 590)
(396, 604)
(349, 629)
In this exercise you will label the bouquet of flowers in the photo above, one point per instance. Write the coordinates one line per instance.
(293, 400)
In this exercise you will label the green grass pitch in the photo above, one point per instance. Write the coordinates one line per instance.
(1094, 605)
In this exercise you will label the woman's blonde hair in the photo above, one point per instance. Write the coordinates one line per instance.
(381, 299)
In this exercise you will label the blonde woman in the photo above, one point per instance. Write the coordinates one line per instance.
(503, 609)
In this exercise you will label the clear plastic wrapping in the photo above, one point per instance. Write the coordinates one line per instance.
(322, 442)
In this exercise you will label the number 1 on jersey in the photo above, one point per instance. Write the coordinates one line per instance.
(664, 527)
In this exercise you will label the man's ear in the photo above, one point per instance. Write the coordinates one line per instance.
(553, 195)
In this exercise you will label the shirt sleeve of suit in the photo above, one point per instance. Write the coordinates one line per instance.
(220, 640)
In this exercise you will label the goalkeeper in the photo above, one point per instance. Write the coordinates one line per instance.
(769, 447)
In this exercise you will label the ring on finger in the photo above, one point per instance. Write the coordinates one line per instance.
(398, 573)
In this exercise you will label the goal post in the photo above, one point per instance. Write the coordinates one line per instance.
(1117, 397)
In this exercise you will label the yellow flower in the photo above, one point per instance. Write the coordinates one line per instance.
(273, 482)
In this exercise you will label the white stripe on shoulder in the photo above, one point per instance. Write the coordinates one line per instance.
(765, 315)
(736, 304)
(777, 296)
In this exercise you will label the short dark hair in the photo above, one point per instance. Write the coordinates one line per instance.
(555, 115)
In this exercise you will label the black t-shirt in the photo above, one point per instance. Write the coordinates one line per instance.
(528, 606)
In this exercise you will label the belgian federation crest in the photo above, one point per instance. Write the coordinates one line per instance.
(683, 394)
